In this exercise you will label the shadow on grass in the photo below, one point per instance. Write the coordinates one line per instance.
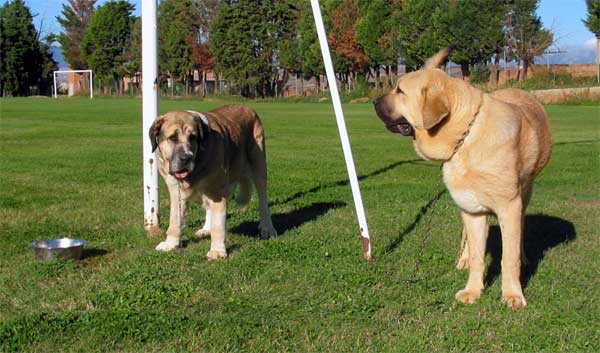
(92, 256)
(424, 210)
(344, 182)
(286, 221)
(541, 233)
(574, 142)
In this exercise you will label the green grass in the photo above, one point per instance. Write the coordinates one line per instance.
(72, 167)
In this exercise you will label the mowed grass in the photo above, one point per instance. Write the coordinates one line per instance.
(72, 167)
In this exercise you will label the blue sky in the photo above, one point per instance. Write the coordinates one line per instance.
(562, 16)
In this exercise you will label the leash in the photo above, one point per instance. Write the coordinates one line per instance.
(412, 279)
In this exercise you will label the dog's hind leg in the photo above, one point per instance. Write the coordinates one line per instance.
(476, 226)
(526, 198)
(463, 260)
(205, 230)
(244, 193)
(258, 164)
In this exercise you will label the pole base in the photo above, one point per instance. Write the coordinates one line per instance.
(152, 230)
(367, 248)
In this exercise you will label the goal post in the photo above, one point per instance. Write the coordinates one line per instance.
(57, 72)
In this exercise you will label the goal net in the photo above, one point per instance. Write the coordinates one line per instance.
(69, 83)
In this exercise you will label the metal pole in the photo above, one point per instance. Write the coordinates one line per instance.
(91, 84)
(339, 115)
(150, 112)
(54, 75)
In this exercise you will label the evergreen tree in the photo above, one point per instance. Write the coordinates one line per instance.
(370, 28)
(178, 24)
(75, 19)
(474, 31)
(309, 51)
(244, 41)
(419, 32)
(107, 40)
(21, 58)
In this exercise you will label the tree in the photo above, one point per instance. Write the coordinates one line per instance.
(419, 32)
(22, 59)
(592, 22)
(107, 40)
(178, 24)
(342, 39)
(526, 38)
(244, 41)
(474, 31)
(309, 51)
(76, 17)
(375, 32)
(202, 56)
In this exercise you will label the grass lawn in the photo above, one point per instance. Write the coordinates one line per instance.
(72, 167)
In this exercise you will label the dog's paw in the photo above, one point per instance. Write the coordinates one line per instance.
(267, 230)
(168, 245)
(467, 296)
(462, 264)
(514, 301)
(202, 233)
(216, 255)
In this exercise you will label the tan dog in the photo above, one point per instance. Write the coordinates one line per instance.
(492, 146)
(203, 157)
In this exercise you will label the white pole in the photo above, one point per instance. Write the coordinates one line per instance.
(339, 115)
(150, 112)
(91, 84)
(55, 94)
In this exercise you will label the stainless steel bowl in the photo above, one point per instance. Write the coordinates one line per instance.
(64, 248)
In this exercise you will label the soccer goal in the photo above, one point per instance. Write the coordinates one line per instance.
(73, 83)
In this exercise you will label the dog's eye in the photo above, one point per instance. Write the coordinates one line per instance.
(192, 137)
(399, 90)
(173, 138)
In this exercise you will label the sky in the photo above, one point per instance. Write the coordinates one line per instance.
(562, 16)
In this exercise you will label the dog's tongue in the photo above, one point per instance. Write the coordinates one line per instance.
(182, 174)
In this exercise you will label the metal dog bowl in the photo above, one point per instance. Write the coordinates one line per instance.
(64, 248)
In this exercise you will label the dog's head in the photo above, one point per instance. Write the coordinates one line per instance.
(180, 137)
(419, 101)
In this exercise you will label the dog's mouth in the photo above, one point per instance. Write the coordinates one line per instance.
(400, 127)
(183, 173)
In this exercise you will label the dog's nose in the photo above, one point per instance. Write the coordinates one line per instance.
(186, 157)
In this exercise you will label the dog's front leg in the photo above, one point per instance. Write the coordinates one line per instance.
(510, 219)
(476, 231)
(178, 202)
(218, 216)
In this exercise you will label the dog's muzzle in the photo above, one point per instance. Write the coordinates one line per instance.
(181, 164)
(397, 126)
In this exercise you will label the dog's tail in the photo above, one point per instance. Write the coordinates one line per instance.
(244, 193)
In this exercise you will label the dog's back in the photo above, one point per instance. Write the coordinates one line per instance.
(536, 138)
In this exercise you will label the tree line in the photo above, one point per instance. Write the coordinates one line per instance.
(256, 46)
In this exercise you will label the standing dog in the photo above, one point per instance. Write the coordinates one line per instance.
(203, 157)
(492, 146)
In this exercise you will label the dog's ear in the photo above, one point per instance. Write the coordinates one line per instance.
(155, 130)
(438, 59)
(434, 107)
